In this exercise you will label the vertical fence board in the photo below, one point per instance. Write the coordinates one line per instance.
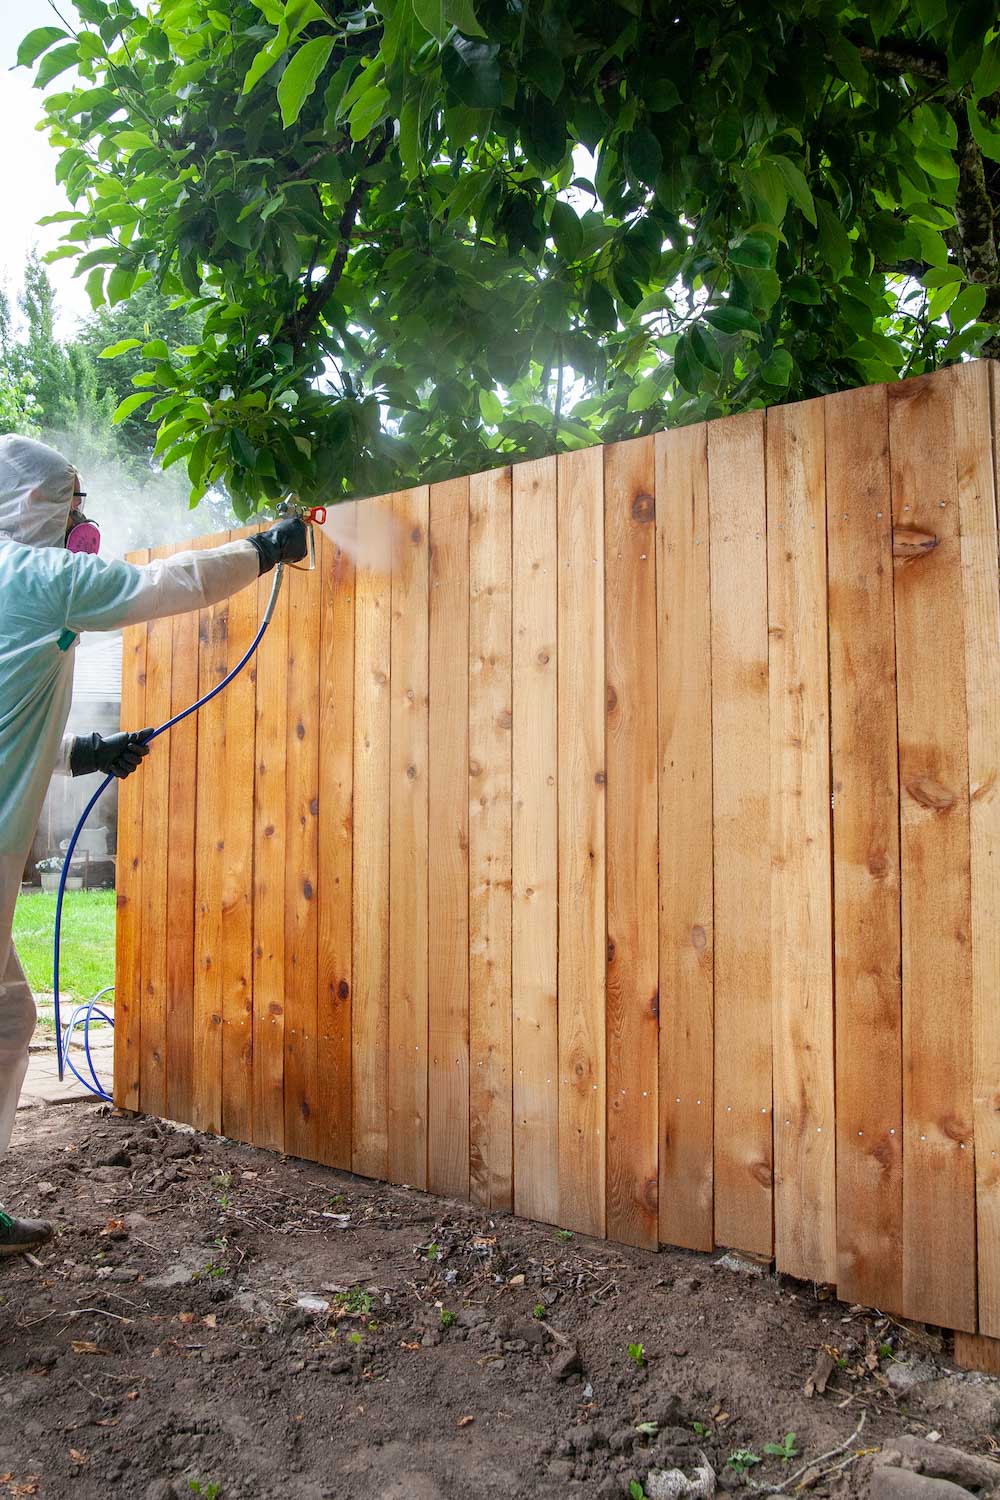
(213, 663)
(977, 499)
(938, 1169)
(408, 846)
(535, 842)
(582, 844)
(684, 660)
(302, 1123)
(236, 795)
(129, 870)
(370, 946)
(632, 843)
(183, 806)
(156, 858)
(491, 1097)
(742, 856)
(448, 843)
(269, 875)
(805, 1212)
(865, 850)
(336, 841)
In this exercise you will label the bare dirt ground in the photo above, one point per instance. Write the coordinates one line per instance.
(216, 1320)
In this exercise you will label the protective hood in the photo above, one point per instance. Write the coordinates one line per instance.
(36, 493)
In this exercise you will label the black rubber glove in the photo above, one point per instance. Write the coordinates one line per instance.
(121, 754)
(283, 543)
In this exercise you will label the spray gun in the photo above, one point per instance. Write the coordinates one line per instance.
(312, 515)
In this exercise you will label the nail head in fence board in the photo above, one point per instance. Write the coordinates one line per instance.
(336, 777)
(741, 853)
(864, 768)
(302, 866)
(491, 1098)
(975, 434)
(632, 843)
(236, 794)
(938, 1172)
(182, 745)
(582, 844)
(684, 657)
(448, 848)
(156, 854)
(370, 947)
(128, 879)
(535, 843)
(213, 663)
(804, 1123)
(408, 915)
(270, 802)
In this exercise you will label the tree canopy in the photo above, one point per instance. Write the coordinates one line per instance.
(425, 236)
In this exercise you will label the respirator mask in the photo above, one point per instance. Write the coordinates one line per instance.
(82, 535)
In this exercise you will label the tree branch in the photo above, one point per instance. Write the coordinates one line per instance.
(298, 327)
(898, 55)
(977, 221)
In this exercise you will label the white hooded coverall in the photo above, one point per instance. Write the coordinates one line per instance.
(47, 596)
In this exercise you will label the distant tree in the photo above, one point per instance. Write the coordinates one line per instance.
(18, 408)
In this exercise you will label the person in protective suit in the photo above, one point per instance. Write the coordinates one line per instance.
(52, 587)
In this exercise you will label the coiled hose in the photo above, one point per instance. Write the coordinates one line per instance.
(84, 1013)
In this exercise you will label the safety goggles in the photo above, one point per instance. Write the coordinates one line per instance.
(84, 535)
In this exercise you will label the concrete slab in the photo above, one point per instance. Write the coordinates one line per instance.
(42, 1084)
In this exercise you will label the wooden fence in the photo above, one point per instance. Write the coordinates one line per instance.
(630, 858)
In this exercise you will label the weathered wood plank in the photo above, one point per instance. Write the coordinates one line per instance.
(183, 804)
(684, 655)
(632, 843)
(582, 845)
(408, 872)
(448, 846)
(742, 855)
(153, 946)
(490, 983)
(939, 1282)
(535, 842)
(336, 846)
(128, 939)
(805, 1208)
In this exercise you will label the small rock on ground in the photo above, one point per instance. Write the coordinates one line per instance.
(904, 1484)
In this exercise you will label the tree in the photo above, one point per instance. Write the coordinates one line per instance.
(430, 235)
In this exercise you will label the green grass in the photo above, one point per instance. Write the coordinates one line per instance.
(88, 940)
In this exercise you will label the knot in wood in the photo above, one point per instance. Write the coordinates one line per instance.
(643, 509)
(909, 542)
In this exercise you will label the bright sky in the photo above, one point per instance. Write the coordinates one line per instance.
(29, 164)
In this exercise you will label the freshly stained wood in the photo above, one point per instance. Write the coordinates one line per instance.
(213, 664)
(684, 660)
(865, 850)
(582, 847)
(270, 803)
(491, 1101)
(632, 843)
(978, 525)
(535, 843)
(938, 1169)
(741, 854)
(183, 804)
(336, 786)
(408, 863)
(448, 843)
(805, 1212)
(236, 927)
(128, 964)
(370, 945)
(302, 1122)
(153, 944)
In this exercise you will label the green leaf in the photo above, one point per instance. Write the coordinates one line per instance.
(37, 42)
(804, 289)
(122, 347)
(368, 111)
(967, 306)
(131, 404)
(649, 390)
(491, 408)
(727, 137)
(120, 284)
(797, 186)
(430, 14)
(472, 70)
(644, 155)
(688, 370)
(936, 162)
(409, 137)
(601, 308)
(832, 243)
(300, 78)
(778, 370)
(155, 349)
(95, 286)
(752, 250)
(55, 63)
(730, 319)
(266, 59)
(566, 230)
(848, 62)
(461, 13)
(987, 139)
(705, 348)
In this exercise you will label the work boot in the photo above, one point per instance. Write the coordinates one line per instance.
(19, 1235)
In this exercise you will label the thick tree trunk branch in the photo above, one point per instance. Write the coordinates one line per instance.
(897, 55)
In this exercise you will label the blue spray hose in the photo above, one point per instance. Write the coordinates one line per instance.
(85, 1013)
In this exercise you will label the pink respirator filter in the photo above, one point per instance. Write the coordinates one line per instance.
(84, 537)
